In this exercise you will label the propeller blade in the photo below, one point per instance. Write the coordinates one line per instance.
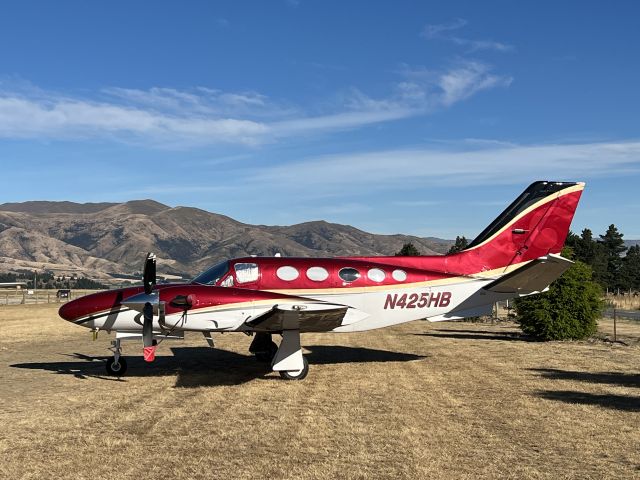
(148, 342)
(149, 273)
(147, 325)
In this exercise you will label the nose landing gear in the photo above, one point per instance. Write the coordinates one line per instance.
(116, 365)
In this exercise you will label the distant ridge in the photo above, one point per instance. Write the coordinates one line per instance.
(39, 206)
(99, 239)
(630, 243)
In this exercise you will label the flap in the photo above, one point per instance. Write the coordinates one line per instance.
(313, 317)
(533, 277)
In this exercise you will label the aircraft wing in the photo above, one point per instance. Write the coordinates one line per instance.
(312, 317)
(533, 277)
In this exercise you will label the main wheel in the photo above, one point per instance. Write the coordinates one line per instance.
(116, 369)
(267, 355)
(296, 374)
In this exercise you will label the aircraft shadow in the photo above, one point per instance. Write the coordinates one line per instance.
(204, 366)
(616, 402)
(332, 354)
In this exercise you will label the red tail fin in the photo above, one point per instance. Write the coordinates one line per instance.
(534, 225)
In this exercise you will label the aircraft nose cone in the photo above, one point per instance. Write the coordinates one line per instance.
(95, 303)
(68, 311)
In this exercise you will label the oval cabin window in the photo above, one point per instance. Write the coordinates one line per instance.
(376, 275)
(349, 274)
(317, 274)
(399, 275)
(287, 273)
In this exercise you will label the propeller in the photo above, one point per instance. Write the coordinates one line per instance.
(149, 273)
(149, 281)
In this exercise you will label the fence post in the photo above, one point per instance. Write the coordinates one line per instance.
(615, 330)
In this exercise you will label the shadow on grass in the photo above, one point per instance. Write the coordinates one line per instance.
(616, 402)
(204, 366)
(612, 378)
(478, 335)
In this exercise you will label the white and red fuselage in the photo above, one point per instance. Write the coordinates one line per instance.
(377, 291)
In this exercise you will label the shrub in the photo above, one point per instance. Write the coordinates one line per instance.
(568, 310)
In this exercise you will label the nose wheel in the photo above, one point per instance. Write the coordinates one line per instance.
(116, 365)
(116, 368)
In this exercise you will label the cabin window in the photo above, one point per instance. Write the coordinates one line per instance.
(317, 274)
(399, 275)
(287, 273)
(227, 282)
(246, 272)
(376, 275)
(349, 274)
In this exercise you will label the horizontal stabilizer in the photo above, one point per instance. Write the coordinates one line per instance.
(534, 277)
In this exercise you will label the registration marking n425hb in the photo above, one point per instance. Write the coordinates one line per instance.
(413, 300)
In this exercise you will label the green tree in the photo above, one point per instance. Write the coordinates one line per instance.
(568, 310)
(461, 244)
(613, 245)
(88, 284)
(630, 270)
(408, 250)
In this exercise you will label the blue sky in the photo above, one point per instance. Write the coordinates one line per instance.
(413, 117)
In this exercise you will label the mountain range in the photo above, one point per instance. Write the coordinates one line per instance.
(103, 240)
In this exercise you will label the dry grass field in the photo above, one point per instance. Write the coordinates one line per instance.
(448, 400)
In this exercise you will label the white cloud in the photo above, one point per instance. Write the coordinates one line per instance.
(436, 30)
(467, 80)
(443, 32)
(418, 168)
(204, 116)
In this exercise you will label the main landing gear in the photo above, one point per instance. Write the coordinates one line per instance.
(116, 365)
(296, 374)
(287, 359)
(263, 347)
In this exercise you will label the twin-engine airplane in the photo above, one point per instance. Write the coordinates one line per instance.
(516, 255)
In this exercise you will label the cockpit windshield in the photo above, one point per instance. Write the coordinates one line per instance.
(213, 274)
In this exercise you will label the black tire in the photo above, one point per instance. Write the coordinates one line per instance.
(296, 375)
(267, 356)
(116, 369)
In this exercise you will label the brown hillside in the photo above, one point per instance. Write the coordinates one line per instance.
(103, 238)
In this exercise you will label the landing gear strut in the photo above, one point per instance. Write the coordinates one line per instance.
(289, 361)
(116, 365)
(263, 347)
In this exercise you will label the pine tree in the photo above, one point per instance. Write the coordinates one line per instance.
(461, 244)
(613, 245)
(630, 271)
(408, 250)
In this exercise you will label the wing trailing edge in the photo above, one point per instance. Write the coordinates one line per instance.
(305, 317)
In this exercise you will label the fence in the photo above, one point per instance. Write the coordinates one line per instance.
(628, 301)
(22, 297)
